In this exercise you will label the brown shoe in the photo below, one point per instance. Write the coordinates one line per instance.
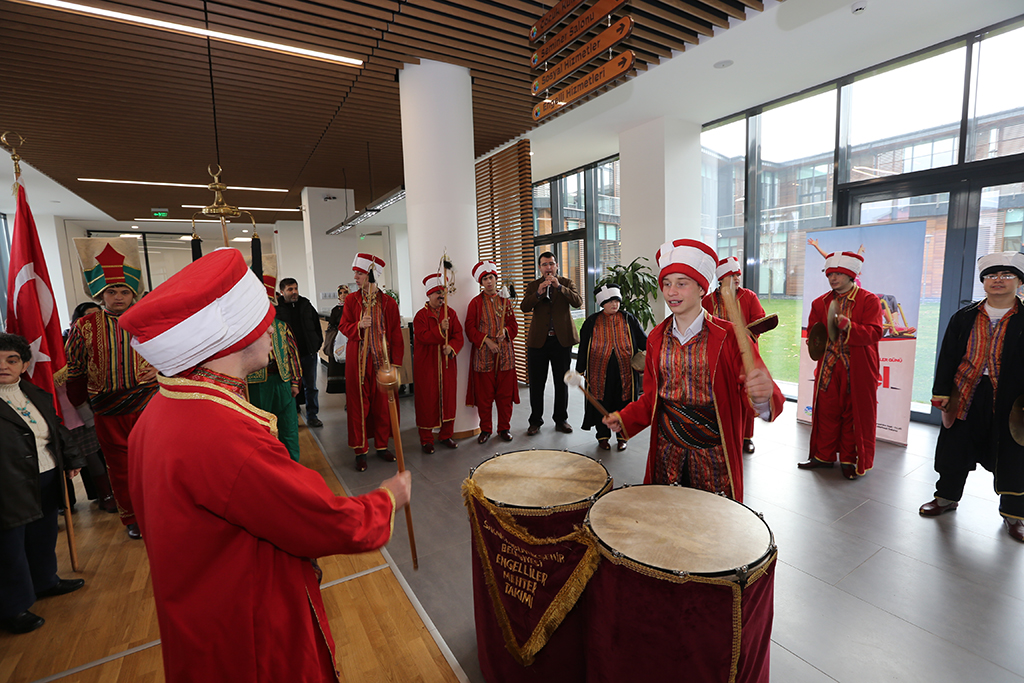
(813, 463)
(484, 437)
(505, 434)
(620, 445)
(448, 443)
(849, 471)
(603, 445)
(360, 462)
(386, 455)
(427, 448)
(1015, 527)
(563, 427)
(933, 508)
(748, 446)
(532, 430)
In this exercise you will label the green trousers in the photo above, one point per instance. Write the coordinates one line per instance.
(275, 396)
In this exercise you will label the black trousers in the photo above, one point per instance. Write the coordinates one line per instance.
(28, 561)
(969, 443)
(537, 361)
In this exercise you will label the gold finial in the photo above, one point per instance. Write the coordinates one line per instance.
(15, 157)
(219, 207)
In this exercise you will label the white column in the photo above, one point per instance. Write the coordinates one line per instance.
(659, 162)
(440, 189)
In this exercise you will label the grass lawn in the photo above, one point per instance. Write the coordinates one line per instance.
(780, 348)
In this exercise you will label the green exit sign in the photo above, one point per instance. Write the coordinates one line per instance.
(160, 213)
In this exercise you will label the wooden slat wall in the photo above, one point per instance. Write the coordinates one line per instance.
(504, 218)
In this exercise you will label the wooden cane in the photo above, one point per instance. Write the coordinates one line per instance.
(387, 377)
(69, 526)
(739, 325)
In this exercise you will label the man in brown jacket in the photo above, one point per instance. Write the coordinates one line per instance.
(550, 340)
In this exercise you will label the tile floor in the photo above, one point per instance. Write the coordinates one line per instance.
(866, 589)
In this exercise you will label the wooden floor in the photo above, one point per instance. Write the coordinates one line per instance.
(107, 631)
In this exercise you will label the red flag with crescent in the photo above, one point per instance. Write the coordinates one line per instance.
(30, 305)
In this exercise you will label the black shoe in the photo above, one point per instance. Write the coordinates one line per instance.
(532, 430)
(448, 443)
(361, 462)
(505, 435)
(484, 437)
(314, 422)
(22, 623)
(563, 427)
(133, 532)
(748, 446)
(63, 587)
(813, 464)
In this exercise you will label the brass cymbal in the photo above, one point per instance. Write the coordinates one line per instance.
(832, 319)
(1017, 420)
(817, 340)
(765, 324)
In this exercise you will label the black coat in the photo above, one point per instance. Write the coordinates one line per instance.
(20, 499)
(302, 317)
(1006, 458)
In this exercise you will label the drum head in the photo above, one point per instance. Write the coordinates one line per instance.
(673, 528)
(536, 479)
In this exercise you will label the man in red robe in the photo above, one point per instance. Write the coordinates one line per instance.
(102, 367)
(231, 522)
(438, 338)
(752, 310)
(371, 323)
(696, 389)
(491, 326)
(847, 375)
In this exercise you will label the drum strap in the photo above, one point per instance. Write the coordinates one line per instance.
(689, 426)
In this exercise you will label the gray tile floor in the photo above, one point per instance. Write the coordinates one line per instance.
(865, 590)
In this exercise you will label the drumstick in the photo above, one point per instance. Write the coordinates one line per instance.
(575, 379)
(387, 377)
(739, 325)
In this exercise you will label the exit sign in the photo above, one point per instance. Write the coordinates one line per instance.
(160, 213)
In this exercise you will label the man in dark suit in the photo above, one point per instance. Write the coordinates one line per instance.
(550, 340)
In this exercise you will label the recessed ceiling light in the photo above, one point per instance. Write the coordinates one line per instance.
(194, 31)
(135, 227)
(724, 64)
(245, 231)
(162, 184)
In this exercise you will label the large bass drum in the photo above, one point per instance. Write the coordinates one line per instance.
(531, 560)
(685, 590)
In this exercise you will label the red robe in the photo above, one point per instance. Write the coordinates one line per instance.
(374, 420)
(862, 337)
(230, 523)
(752, 310)
(436, 390)
(508, 378)
(729, 395)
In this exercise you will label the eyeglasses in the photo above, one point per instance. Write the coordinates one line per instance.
(999, 276)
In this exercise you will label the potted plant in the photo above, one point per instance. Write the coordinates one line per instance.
(638, 285)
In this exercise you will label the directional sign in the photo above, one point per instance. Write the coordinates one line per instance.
(575, 30)
(609, 38)
(551, 19)
(602, 75)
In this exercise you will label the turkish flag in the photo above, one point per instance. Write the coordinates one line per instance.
(30, 307)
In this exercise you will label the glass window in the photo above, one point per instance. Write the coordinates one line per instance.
(794, 195)
(609, 245)
(907, 118)
(572, 190)
(996, 126)
(542, 209)
(999, 224)
(723, 186)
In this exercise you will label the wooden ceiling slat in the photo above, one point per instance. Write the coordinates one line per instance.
(499, 29)
(753, 4)
(516, 51)
(347, 21)
(670, 43)
(694, 8)
(441, 41)
(725, 7)
(665, 16)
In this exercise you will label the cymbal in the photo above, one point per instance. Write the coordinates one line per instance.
(831, 320)
(765, 324)
(817, 340)
(1017, 420)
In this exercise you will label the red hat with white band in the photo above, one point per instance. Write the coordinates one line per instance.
(363, 262)
(209, 309)
(433, 282)
(483, 268)
(691, 258)
(727, 266)
(845, 262)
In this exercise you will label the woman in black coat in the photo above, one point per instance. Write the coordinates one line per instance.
(36, 453)
(335, 368)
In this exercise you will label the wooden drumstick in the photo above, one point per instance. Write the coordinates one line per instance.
(388, 379)
(739, 325)
(575, 379)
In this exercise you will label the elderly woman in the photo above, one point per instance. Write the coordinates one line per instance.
(35, 455)
(335, 367)
(608, 340)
